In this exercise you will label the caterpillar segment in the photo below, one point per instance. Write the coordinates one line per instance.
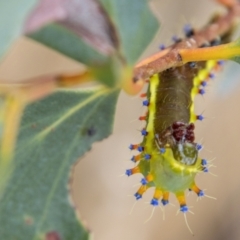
(168, 156)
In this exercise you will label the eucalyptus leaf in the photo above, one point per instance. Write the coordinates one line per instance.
(85, 18)
(54, 133)
(12, 16)
(135, 25)
(132, 27)
(68, 43)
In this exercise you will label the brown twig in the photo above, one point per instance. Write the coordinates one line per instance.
(171, 56)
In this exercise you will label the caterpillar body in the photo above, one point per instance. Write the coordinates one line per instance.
(168, 156)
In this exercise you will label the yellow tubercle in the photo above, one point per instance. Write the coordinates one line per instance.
(157, 193)
(149, 178)
(142, 189)
(165, 196)
(181, 198)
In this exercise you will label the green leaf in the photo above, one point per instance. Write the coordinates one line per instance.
(12, 17)
(54, 133)
(85, 18)
(130, 21)
(135, 25)
(105, 69)
(68, 43)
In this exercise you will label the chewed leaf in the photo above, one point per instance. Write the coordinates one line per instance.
(85, 18)
(12, 17)
(54, 133)
(135, 25)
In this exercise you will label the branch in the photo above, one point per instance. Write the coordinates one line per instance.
(171, 57)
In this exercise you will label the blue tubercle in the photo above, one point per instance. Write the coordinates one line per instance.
(176, 39)
(184, 208)
(128, 172)
(162, 150)
(144, 132)
(200, 117)
(199, 147)
(144, 181)
(145, 103)
(204, 162)
(204, 83)
(162, 47)
(147, 156)
(220, 62)
(164, 202)
(140, 149)
(137, 196)
(211, 75)
(131, 147)
(154, 202)
(201, 91)
(205, 169)
(188, 30)
(201, 193)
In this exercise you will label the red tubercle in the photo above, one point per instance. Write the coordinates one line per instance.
(134, 146)
(142, 118)
(143, 95)
(218, 67)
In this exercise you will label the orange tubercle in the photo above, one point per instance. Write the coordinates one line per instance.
(142, 118)
(149, 178)
(142, 189)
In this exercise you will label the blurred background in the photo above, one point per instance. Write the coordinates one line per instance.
(103, 197)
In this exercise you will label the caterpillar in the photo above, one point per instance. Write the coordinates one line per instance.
(168, 157)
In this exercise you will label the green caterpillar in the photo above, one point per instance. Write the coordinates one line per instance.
(168, 156)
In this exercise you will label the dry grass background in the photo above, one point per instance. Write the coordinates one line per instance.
(103, 197)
